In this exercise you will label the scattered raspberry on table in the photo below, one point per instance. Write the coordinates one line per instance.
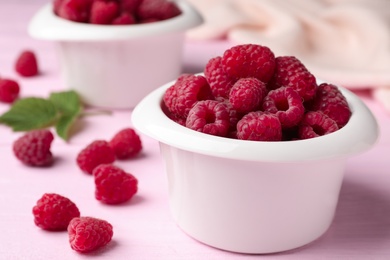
(126, 144)
(9, 90)
(26, 64)
(96, 153)
(33, 148)
(87, 234)
(54, 212)
(113, 185)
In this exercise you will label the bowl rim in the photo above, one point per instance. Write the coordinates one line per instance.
(359, 134)
(48, 26)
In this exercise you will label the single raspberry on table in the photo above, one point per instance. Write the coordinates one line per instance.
(331, 102)
(113, 185)
(219, 81)
(286, 104)
(126, 143)
(259, 126)
(290, 72)
(316, 123)
(187, 90)
(210, 117)
(96, 153)
(87, 234)
(103, 12)
(33, 148)
(246, 94)
(249, 61)
(9, 90)
(54, 212)
(157, 10)
(26, 64)
(75, 10)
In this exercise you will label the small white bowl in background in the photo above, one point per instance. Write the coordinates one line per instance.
(115, 66)
(248, 196)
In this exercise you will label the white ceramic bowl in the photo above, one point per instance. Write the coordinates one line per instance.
(248, 196)
(116, 66)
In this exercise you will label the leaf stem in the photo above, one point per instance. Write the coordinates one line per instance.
(95, 112)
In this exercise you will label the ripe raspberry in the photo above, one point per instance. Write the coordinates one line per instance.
(87, 234)
(9, 90)
(75, 10)
(210, 117)
(219, 81)
(331, 102)
(113, 185)
(157, 9)
(126, 143)
(26, 64)
(129, 6)
(316, 123)
(246, 94)
(259, 126)
(103, 12)
(290, 72)
(54, 212)
(286, 104)
(33, 148)
(249, 61)
(183, 95)
(124, 19)
(96, 153)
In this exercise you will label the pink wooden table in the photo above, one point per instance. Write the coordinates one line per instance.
(143, 228)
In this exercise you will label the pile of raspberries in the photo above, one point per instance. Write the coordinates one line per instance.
(249, 94)
(115, 12)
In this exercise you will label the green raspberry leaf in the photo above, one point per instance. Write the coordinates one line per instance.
(69, 106)
(30, 113)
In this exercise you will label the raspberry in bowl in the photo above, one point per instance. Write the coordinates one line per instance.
(253, 195)
(107, 54)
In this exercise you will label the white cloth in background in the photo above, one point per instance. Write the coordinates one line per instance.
(345, 42)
